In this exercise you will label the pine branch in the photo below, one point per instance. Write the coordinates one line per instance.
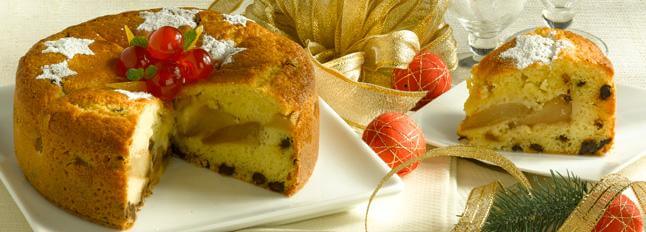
(551, 202)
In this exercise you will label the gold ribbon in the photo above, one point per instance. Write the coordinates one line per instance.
(355, 45)
(479, 203)
(582, 219)
(481, 199)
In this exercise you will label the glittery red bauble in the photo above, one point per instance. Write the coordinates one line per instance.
(395, 138)
(621, 215)
(427, 72)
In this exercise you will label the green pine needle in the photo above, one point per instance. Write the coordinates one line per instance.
(552, 200)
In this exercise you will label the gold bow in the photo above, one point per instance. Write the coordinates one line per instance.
(355, 45)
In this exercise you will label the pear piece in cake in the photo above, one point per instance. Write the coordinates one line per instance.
(547, 91)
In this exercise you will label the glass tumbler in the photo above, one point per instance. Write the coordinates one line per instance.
(484, 20)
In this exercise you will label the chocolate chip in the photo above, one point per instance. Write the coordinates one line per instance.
(38, 144)
(511, 125)
(563, 138)
(566, 78)
(462, 137)
(259, 178)
(277, 186)
(605, 92)
(598, 124)
(536, 147)
(286, 143)
(207, 164)
(567, 98)
(603, 143)
(580, 83)
(227, 170)
(588, 146)
(517, 148)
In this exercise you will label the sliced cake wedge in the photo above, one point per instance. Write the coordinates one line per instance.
(548, 91)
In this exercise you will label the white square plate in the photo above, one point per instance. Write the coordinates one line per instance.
(440, 119)
(191, 198)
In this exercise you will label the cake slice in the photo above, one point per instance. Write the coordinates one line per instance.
(109, 150)
(548, 91)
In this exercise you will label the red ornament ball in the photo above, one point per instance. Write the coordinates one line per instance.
(427, 72)
(395, 138)
(621, 215)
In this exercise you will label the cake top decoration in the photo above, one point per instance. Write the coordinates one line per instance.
(174, 17)
(132, 96)
(236, 19)
(69, 46)
(221, 50)
(56, 72)
(530, 49)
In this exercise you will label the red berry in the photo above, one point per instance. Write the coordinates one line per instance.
(167, 83)
(197, 65)
(165, 43)
(426, 72)
(132, 57)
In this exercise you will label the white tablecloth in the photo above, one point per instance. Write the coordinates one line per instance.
(436, 192)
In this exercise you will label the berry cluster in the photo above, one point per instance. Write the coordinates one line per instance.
(165, 61)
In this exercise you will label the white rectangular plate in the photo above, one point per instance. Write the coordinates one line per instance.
(440, 119)
(192, 198)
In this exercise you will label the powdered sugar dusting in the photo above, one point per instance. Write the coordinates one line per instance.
(236, 19)
(530, 49)
(174, 17)
(69, 46)
(221, 50)
(132, 96)
(56, 72)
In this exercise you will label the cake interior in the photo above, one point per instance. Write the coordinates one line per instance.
(148, 151)
(544, 108)
(250, 140)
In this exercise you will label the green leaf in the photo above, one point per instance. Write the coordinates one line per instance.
(139, 41)
(150, 72)
(189, 36)
(135, 74)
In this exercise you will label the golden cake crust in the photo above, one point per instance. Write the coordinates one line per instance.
(586, 51)
(52, 124)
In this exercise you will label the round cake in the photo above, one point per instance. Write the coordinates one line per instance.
(95, 143)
